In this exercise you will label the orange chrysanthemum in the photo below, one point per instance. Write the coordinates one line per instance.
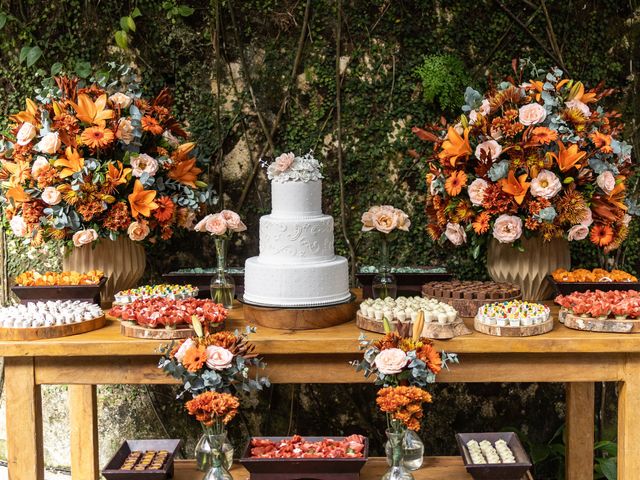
(151, 125)
(195, 358)
(404, 404)
(601, 235)
(481, 223)
(141, 200)
(601, 141)
(543, 136)
(213, 407)
(118, 217)
(165, 209)
(97, 137)
(455, 182)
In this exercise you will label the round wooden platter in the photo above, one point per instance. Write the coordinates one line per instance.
(131, 329)
(54, 331)
(303, 318)
(507, 331)
(469, 307)
(607, 325)
(432, 330)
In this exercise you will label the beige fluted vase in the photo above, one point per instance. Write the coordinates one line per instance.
(529, 268)
(122, 260)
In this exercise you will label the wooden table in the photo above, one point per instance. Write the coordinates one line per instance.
(320, 356)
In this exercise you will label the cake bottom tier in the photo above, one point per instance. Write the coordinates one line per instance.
(296, 285)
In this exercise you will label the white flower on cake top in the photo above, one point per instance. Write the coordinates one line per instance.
(48, 314)
(289, 168)
(406, 309)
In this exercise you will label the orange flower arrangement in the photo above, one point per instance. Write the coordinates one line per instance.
(404, 404)
(211, 408)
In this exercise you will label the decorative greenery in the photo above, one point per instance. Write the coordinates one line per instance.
(444, 78)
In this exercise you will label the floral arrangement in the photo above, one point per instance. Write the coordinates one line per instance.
(213, 362)
(619, 303)
(385, 219)
(213, 410)
(403, 405)
(98, 161)
(530, 158)
(32, 278)
(289, 168)
(221, 224)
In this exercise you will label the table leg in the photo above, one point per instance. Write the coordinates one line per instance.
(83, 407)
(629, 421)
(580, 434)
(24, 420)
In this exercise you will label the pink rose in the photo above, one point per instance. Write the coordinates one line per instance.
(578, 232)
(578, 105)
(188, 343)
(532, 113)
(476, 191)
(384, 221)
(138, 231)
(485, 108)
(455, 233)
(214, 224)
(284, 161)
(234, 223)
(50, 143)
(84, 237)
(51, 196)
(38, 165)
(606, 181)
(367, 221)
(588, 220)
(125, 131)
(218, 358)
(490, 147)
(144, 163)
(507, 228)
(120, 100)
(18, 226)
(545, 185)
(391, 361)
(402, 220)
(26, 133)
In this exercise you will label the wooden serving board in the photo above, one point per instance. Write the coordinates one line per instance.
(432, 330)
(469, 308)
(55, 331)
(610, 325)
(130, 329)
(513, 331)
(300, 318)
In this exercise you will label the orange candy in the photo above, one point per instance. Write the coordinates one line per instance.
(50, 279)
(596, 275)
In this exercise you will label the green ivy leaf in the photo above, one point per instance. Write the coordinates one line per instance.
(121, 39)
(136, 13)
(3, 20)
(185, 10)
(56, 68)
(124, 25)
(131, 24)
(33, 55)
(24, 51)
(83, 69)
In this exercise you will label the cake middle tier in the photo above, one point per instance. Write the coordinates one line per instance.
(296, 240)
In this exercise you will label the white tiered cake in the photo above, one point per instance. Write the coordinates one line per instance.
(297, 266)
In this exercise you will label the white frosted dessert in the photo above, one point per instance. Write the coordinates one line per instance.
(297, 265)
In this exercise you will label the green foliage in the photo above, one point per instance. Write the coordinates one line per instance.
(444, 79)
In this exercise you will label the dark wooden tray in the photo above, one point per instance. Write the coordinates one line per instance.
(567, 288)
(409, 284)
(202, 281)
(303, 468)
(500, 471)
(112, 470)
(85, 293)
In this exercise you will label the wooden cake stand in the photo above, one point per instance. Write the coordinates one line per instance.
(39, 333)
(607, 325)
(432, 330)
(302, 318)
(508, 331)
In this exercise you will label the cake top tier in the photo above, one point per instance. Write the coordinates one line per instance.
(289, 168)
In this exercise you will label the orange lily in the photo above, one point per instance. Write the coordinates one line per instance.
(117, 175)
(517, 187)
(28, 115)
(19, 171)
(185, 172)
(73, 163)
(577, 93)
(455, 146)
(17, 194)
(536, 86)
(182, 152)
(567, 158)
(141, 200)
(92, 112)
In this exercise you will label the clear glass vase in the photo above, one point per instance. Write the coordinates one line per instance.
(413, 450)
(384, 282)
(397, 470)
(217, 470)
(223, 287)
(203, 454)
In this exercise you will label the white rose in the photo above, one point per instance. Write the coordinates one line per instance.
(606, 181)
(578, 232)
(26, 133)
(138, 231)
(476, 191)
(125, 131)
(532, 113)
(188, 343)
(84, 237)
(120, 100)
(50, 143)
(490, 147)
(391, 361)
(588, 219)
(38, 165)
(545, 185)
(507, 228)
(144, 163)
(51, 196)
(218, 358)
(455, 233)
(18, 226)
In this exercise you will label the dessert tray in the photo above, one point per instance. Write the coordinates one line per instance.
(143, 459)
(581, 280)
(601, 311)
(163, 290)
(441, 321)
(513, 319)
(51, 319)
(32, 286)
(468, 296)
(491, 456)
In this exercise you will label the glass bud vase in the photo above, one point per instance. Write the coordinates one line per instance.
(384, 282)
(217, 470)
(413, 450)
(223, 287)
(397, 470)
(203, 454)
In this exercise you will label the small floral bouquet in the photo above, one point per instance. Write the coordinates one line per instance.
(403, 406)
(287, 167)
(84, 162)
(385, 219)
(221, 224)
(530, 158)
(213, 362)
